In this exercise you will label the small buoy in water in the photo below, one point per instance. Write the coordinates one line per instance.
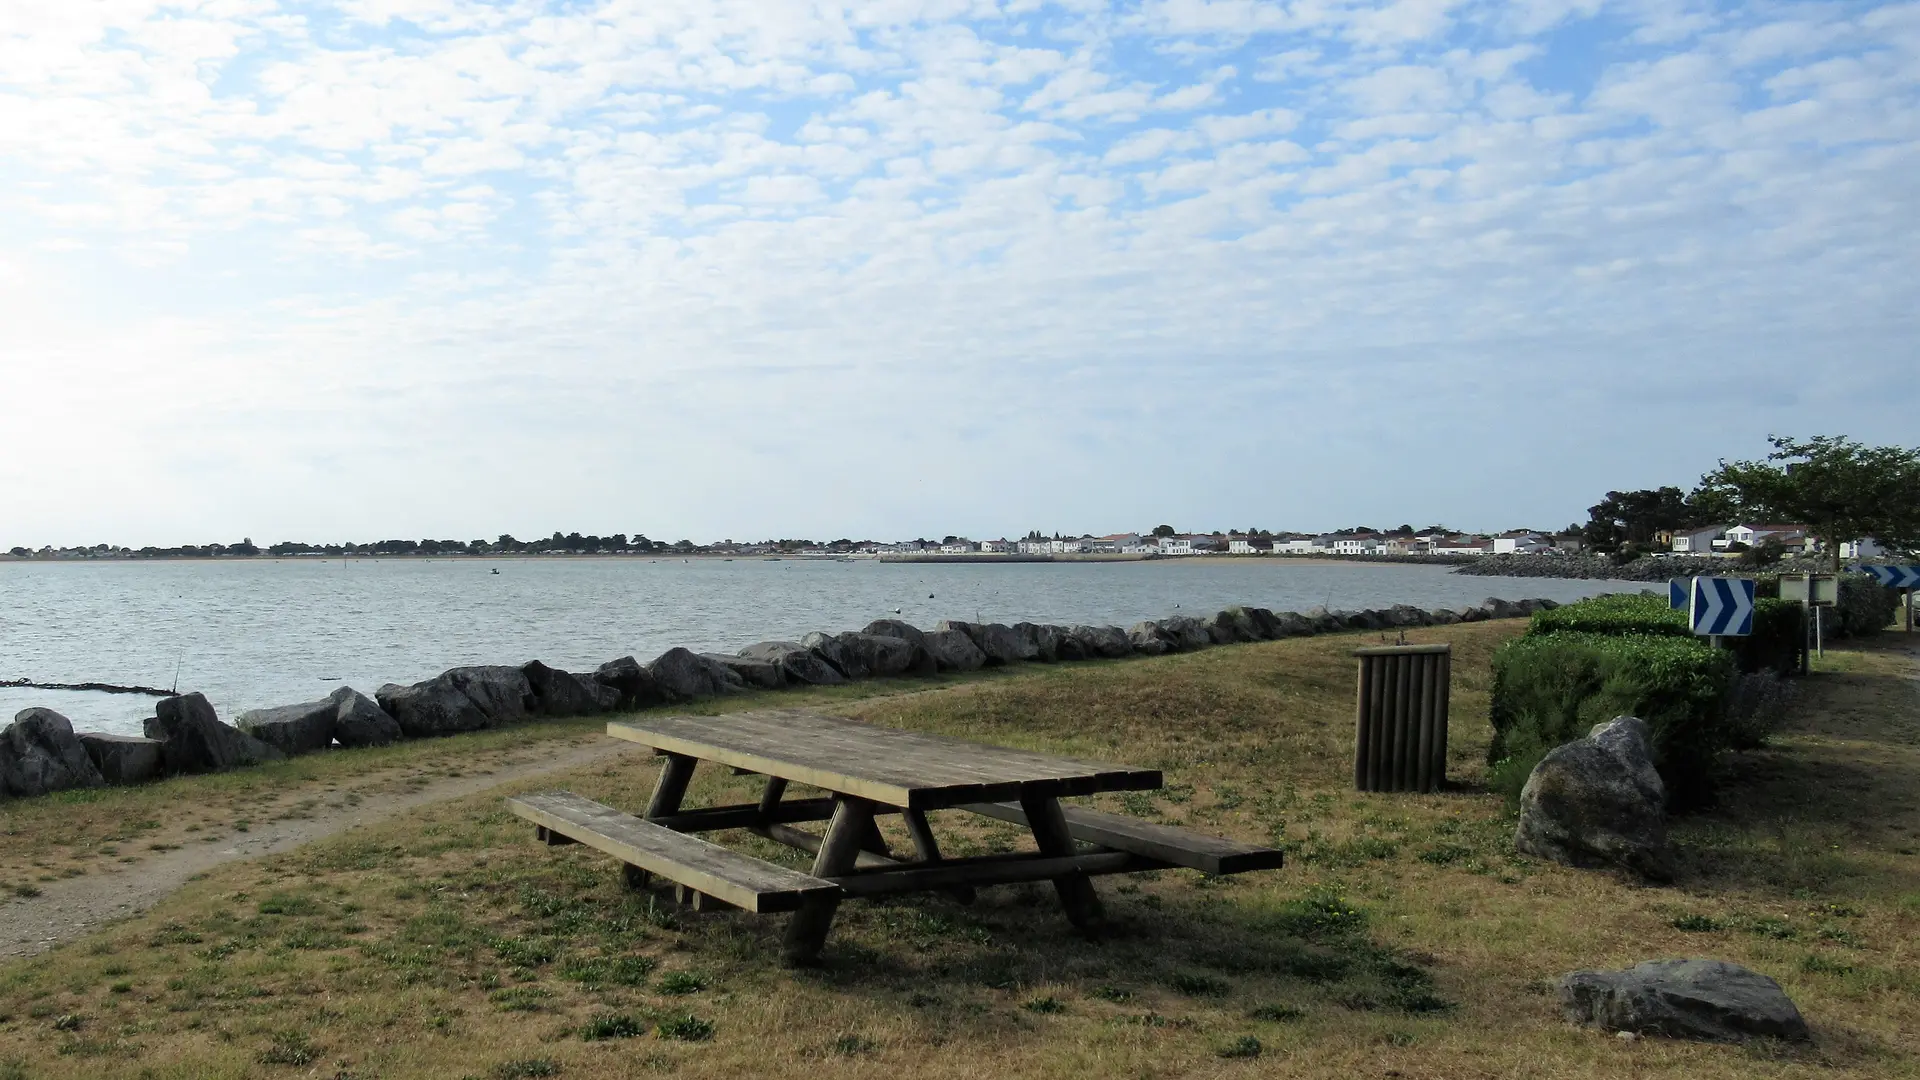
(494, 571)
(896, 611)
(929, 596)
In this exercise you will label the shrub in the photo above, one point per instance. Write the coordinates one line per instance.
(1552, 688)
(1776, 642)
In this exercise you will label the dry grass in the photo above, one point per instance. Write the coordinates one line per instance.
(1403, 940)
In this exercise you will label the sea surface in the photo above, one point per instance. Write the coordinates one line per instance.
(263, 632)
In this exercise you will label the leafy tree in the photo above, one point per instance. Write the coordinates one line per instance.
(1626, 518)
(1163, 530)
(1841, 490)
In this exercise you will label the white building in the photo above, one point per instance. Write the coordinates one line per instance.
(1460, 545)
(1358, 544)
(961, 548)
(1176, 545)
(994, 546)
(1789, 537)
(1862, 549)
(1299, 545)
(1698, 541)
(1522, 542)
(1247, 545)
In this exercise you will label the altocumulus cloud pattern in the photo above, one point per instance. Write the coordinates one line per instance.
(1007, 264)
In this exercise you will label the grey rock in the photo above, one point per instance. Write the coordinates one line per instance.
(39, 753)
(1000, 643)
(1232, 627)
(876, 656)
(1105, 642)
(122, 759)
(1598, 803)
(1401, 616)
(953, 650)
(292, 729)
(684, 676)
(1072, 646)
(1150, 639)
(799, 663)
(461, 699)
(1365, 620)
(1292, 624)
(1042, 639)
(1187, 632)
(895, 628)
(827, 647)
(358, 720)
(1473, 614)
(633, 685)
(1324, 621)
(1683, 999)
(1266, 626)
(196, 741)
(1497, 608)
(1442, 617)
(563, 693)
(756, 673)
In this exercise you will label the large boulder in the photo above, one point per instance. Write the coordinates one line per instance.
(999, 642)
(1043, 639)
(1292, 624)
(906, 631)
(1187, 632)
(1071, 646)
(39, 753)
(1149, 639)
(684, 676)
(756, 673)
(563, 693)
(634, 686)
(1598, 803)
(1406, 615)
(1473, 614)
(1442, 617)
(876, 656)
(1497, 608)
(1324, 621)
(122, 759)
(953, 650)
(358, 720)
(461, 699)
(1105, 642)
(292, 729)
(1233, 626)
(1684, 999)
(797, 662)
(196, 741)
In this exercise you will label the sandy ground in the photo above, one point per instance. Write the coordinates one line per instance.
(68, 909)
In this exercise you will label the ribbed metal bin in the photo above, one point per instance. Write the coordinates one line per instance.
(1400, 722)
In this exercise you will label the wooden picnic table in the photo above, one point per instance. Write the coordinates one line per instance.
(869, 771)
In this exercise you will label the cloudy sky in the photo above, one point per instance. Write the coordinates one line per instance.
(711, 269)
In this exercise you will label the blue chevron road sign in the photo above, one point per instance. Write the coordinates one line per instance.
(1721, 607)
(1894, 575)
(1679, 593)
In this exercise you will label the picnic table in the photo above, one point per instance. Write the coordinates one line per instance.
(867, 772)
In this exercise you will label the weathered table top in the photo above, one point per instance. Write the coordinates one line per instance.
(900, 768)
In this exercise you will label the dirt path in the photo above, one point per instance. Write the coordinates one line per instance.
(68, 909)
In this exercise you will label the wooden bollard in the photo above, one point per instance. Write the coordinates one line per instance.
(1400, 718)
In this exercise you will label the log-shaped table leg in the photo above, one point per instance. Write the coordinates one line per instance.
(1049, 826)
(846, 833)
(672, 786)
(928, 850)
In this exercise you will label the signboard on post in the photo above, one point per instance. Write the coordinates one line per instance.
(1721, 607)
(1895, 575)
(1813, 590)
(1679, 593)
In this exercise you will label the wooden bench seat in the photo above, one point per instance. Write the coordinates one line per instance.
(1164, 843)
(740, 880)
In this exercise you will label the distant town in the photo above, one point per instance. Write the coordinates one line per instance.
(1434, 542)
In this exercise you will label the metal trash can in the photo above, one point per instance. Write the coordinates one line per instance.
(1400, 723)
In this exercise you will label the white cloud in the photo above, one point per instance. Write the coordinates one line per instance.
(735, 232)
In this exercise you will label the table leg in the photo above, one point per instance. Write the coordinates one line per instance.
(852, 819)
(928, 850)
(672, 786)
(771, 795)
(1049, 826)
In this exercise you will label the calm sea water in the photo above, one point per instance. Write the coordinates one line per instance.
(272, 632)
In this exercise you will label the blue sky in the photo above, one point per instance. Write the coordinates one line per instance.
(712, 269)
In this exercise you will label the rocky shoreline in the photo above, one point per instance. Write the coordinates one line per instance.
(41, 753)
(1600, 568)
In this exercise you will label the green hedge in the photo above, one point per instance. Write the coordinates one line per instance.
(1776, 641)
(1551, 688)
